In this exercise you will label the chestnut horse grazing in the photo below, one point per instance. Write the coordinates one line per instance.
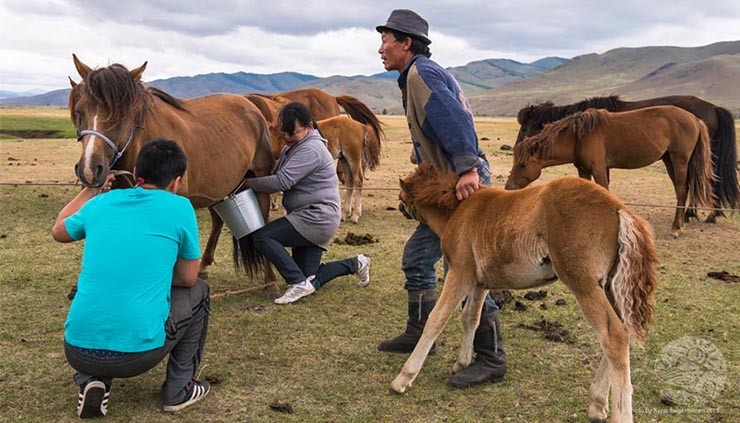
(356, 146)
(719, 121)
(569, 229)
(596, 140)
(224, 136)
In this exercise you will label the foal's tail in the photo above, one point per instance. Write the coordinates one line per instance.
(700, 176)
(370, 149)
(634, 281)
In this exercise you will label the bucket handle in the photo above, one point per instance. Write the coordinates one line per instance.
(235, 190)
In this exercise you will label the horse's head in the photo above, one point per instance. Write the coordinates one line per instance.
(527, 165)
(530, 120)
(105, 108)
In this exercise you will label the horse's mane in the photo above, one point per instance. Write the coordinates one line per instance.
(118, 94)
(544, 113)
(429, 187)
(579, 124)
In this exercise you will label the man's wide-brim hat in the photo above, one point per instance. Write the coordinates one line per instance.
(408, 22)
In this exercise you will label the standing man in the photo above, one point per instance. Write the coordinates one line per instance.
(139, 298)
(441, 124)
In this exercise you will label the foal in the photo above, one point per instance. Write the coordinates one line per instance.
(569, 229)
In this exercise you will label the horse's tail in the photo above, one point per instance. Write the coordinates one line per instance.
(700, 176)
(358, 111)
(370, 149)
(724, 150)
(634, 280)
(246, 256)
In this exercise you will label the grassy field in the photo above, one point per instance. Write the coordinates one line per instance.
(319, 355)
(19, 123)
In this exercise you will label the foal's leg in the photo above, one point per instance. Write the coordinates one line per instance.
(348, 186)
(216, 225)
(452, 294)
(612, 336)
(601, 176)
(358, 178)
(470, 320)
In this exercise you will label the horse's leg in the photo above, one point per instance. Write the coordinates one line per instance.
(357, 179)
(271, 288)
(216, 225)
(452, 294)
(612, 336)
(470, 320)
(690, 211)
(584, 173)
(348, 186)
(680, 165)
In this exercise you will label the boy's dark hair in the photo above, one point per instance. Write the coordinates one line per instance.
(418, 46)
(292, 112)
(160, 161)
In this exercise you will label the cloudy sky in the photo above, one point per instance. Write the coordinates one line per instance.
(188, 37)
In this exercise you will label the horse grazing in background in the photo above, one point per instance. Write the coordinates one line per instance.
(596, 141)
(224, 136)
(568, 229)
(356, 146)
(719, 121)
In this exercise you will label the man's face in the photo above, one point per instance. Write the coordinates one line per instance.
(394, 54)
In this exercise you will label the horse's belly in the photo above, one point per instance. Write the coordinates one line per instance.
(523, 275)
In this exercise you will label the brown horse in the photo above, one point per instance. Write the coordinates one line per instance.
(568, 229)
(224, 136)
(719, 121)
(596, 141)
(324, 105)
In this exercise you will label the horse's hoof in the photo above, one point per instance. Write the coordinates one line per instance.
(711, 219)
(272, 291)
(674, 233)
(397, 390)
(203, 275)
(355, 220)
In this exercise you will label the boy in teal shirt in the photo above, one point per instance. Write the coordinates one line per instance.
(138, 298)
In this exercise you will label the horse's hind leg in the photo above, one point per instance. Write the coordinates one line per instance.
(680, 165)
(452, 294)
(691, 209)
(470, 320)
(348, 186)
(216, 225)
(271, 288)
(357, 178)
(612, 336)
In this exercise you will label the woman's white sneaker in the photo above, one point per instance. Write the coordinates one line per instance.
(297, 291)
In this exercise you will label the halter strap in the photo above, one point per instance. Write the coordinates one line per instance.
(108, 142)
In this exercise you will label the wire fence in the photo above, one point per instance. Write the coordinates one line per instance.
(631, 204)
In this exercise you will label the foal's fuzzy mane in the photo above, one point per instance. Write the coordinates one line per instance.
(430, 187)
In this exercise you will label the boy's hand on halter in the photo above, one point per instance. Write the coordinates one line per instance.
(467, 184)
(108, 182)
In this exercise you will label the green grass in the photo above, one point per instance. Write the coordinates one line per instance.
(320, 354)
(15, 126)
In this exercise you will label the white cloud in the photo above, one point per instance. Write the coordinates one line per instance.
(185, 37)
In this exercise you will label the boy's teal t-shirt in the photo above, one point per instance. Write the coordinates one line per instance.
(133, 238)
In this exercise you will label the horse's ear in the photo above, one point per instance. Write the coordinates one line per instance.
(82, 68)
(72, 82)
(136, 73)
(404, 185)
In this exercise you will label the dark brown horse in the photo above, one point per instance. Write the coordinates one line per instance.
(498, 239)
(224, 136)
(719, 122)
(596, 141)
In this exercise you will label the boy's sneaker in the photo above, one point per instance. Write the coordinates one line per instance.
(198, 391)
(93, 400)
(297, 291)
(363, 270)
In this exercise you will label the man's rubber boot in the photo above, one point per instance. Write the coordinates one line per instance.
(420, 305)
(490, 358)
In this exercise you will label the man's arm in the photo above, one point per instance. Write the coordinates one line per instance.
(59, 230)
(185, 272)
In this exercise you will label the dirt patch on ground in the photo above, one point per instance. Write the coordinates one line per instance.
(724, 276)
(552, 331)
(355, 239)
(282, 407)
